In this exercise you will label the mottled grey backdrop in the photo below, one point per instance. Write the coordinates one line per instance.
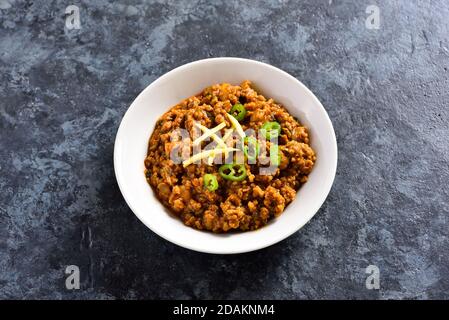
(63, 93)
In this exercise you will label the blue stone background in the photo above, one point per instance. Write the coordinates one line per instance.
(63, 93)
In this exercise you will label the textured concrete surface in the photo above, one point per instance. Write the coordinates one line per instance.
(63, 93)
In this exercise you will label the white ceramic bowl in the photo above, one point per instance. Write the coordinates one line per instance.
(138, 124)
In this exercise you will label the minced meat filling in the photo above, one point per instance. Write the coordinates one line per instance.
(234, 205)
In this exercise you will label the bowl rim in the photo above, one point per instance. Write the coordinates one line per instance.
(274, 240)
